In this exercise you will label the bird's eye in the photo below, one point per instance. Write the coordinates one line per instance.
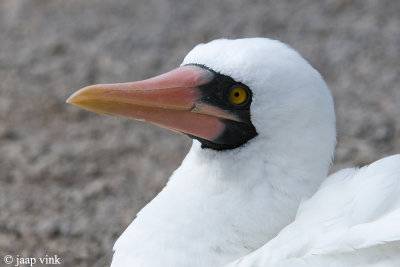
(238, 95)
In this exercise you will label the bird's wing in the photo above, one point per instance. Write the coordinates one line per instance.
(352, 220)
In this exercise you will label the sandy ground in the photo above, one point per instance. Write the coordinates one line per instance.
(71, 181)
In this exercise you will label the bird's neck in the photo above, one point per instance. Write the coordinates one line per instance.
(222, 205)
(253, 198)
(295, 175)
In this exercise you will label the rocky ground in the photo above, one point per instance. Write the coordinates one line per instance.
(71, 181)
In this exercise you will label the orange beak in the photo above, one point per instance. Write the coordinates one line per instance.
(172, 100)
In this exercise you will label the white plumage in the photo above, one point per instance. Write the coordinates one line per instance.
(238, 207)
(352, 220)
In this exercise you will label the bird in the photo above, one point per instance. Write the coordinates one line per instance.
(254, 188)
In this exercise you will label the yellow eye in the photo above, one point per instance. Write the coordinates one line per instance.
(238, 95)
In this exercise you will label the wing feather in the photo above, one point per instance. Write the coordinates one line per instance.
(352, 220)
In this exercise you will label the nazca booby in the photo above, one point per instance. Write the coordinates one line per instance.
(263, 127)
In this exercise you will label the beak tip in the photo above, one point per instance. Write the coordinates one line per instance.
(68, 101)
(71, 99)
(79, 95)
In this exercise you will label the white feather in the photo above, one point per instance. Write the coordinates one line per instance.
(352, 220)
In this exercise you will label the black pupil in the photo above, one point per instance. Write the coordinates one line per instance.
(237, 94)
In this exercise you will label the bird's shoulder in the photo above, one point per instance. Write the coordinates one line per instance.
(352, 220)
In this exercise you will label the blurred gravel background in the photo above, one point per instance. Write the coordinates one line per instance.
(71, 181)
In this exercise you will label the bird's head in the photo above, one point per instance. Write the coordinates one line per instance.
(231, 94)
